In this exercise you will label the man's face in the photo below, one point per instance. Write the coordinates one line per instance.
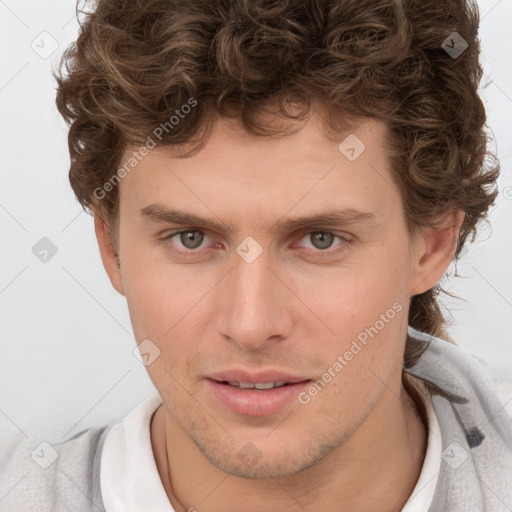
(215, 306)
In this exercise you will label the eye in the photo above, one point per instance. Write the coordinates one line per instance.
(323, 240)
(190, 239)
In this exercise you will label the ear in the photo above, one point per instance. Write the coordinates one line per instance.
(108, 253)
(433, 251)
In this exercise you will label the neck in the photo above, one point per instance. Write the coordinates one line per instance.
(379, 463)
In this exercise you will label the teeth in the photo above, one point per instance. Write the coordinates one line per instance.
(257, 385)
(268, 385)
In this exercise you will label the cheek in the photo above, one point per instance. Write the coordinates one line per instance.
(352, 297)
(365, 307)
(161, 313)
(167, 306)
(146, 305)
(154, 288)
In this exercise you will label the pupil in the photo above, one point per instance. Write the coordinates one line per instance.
(324, 239)
(187, 239)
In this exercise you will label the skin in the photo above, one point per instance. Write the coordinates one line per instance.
(360, 441)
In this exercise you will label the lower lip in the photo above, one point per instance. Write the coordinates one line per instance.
(252, 402)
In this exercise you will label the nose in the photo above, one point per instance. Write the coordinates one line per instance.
(255, 307)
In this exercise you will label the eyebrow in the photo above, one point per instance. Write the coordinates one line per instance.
(159, 213)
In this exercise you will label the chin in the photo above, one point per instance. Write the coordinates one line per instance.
(254, 461)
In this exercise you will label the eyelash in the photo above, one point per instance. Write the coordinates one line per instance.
(322, 253)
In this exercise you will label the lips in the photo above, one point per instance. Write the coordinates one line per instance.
(256, 377)
(255, 394)
(258, 385)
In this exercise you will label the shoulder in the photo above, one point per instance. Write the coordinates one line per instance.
(459, 376)
(504, 390)
(45, 476)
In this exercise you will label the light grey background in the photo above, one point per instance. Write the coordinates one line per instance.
(66, 346)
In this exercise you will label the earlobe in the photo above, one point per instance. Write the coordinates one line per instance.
(434, 253)
(108, 253)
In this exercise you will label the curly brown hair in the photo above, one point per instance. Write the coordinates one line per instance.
(135, 62)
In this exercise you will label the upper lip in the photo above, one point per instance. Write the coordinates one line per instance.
(238, 375)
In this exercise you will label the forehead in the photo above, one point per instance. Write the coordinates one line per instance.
(237, 171)
(312, 141)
